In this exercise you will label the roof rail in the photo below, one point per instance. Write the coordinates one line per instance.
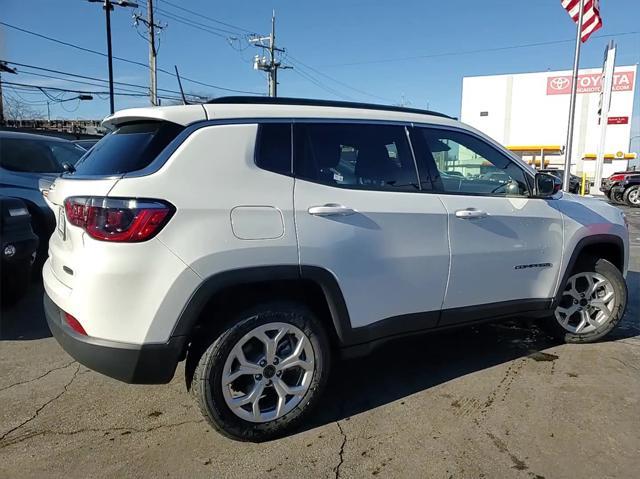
(265, 100)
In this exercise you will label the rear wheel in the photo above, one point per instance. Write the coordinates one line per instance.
(591, 304)
(631, 196)
(262, 376)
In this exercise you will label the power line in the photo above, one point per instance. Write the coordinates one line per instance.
(80, 92)
(471, 52)
(85, 77)
(133, 62)
(189, 21)
(319, 84)
(362, 92)
(166, 2)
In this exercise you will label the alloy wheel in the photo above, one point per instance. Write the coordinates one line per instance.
(634, 196)
(587, 303)
(268, 372)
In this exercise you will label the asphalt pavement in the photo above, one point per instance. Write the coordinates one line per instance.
(481, 402)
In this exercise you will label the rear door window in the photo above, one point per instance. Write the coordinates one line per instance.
(131, 147)
(362, 156)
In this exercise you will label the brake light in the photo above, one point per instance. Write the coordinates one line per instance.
(617, 177)
(118, 219)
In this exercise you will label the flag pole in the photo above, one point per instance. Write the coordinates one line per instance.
(572, 103)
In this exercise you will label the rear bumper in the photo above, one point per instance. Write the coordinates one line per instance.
(130, 363)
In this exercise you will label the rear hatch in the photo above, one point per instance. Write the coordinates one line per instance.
(130, 148)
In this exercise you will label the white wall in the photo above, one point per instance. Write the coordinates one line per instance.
(522, 112)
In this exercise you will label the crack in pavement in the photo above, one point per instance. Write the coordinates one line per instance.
(35, 415)
(341, 453)
(37, 378)
(125, 430)
(630, 366)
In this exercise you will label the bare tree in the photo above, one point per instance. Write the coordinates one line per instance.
(16, 109)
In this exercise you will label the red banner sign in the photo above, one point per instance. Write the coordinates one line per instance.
(618, 120)
(590, 83)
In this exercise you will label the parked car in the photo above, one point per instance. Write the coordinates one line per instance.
(262, 238)
(25, 160)
(575, 182)
(622, 188)
(19, 244)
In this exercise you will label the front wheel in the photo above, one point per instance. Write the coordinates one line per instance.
(616, 198)
(263, 375)
(591, 304)
(631, 196)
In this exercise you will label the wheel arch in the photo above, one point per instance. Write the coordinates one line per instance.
(606, 246)
(227, 291)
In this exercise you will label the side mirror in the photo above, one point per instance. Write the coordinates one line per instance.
(547, 185)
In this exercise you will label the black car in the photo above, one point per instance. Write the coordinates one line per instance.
(19, 244)
(26, 161)
(622, 187)
(574, 181)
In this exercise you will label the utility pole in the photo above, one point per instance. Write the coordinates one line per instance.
(4, 68)
(108, 6)
(271, 65)
(153, 51)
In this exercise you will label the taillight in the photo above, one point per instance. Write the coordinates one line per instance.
(118, 219)
(617, 177)
(74, 324)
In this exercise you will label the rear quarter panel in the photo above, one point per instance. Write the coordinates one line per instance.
(207, 178)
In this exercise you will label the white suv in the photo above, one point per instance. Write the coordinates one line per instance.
(257, 238)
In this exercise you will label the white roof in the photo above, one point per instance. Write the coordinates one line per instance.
(185, 114)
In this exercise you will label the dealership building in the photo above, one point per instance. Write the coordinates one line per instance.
(528, 113)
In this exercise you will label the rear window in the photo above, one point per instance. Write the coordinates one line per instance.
(37, 156)
(130, 147)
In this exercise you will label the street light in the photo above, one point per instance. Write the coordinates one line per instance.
(80, 97)
(107, 5)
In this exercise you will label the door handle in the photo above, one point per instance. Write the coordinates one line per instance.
(331, 209)
(471, 213)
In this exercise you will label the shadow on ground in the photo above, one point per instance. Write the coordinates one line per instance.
(405, 367)
(395, 370)
(25, 320)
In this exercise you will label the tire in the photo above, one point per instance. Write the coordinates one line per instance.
(616, 198)
(631, 196)
(608, 280)
(217, 361)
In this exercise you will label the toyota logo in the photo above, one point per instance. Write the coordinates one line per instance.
(559, 83)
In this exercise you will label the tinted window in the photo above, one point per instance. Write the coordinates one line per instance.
(274, 147)
(130, 147)
(376, 157)
(67, 152)
(468, 165)
(37, 156)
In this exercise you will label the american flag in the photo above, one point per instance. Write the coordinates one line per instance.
(591, 20)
